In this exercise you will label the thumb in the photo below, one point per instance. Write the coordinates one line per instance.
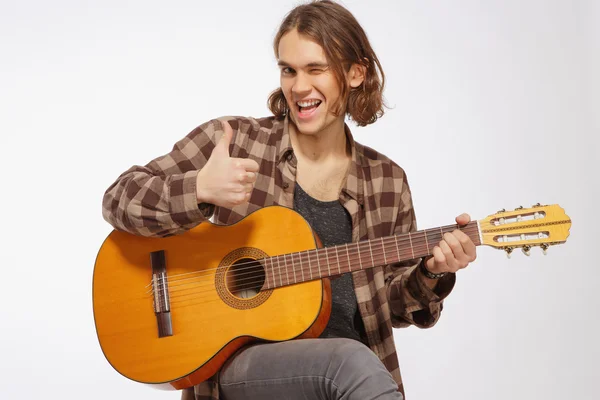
(222, 147)
(463, 219)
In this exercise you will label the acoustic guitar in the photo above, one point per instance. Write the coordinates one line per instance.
(170, 311)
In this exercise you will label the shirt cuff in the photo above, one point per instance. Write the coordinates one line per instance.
(423, 293)
(185, 209)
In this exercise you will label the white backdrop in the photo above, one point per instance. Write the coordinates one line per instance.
(494, 105)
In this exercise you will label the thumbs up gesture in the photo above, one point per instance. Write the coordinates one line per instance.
(226, 181)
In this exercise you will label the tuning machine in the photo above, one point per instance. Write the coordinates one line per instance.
(508, 251)
(544, 247)
(519, 208)
(526, 249)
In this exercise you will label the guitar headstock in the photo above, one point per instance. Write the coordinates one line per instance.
(540, 225)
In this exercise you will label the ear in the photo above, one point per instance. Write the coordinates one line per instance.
(356, 75)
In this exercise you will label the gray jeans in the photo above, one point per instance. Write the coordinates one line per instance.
(307, 369)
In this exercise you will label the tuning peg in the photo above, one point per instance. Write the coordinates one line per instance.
(508, 250)
(526, 250)
(538, 205)
(519, 208)
(544, 247)
(501, 211)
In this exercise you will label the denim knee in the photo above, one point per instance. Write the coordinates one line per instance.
(355, 371)
(351, 358)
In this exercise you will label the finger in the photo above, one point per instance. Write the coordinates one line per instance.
(222, 147)
(463, 219)
(456, 247)
(437, 263)
(449, 256)
(248, 177)
(240, 198)
(247, 164)
(243, 188)
(467, 244)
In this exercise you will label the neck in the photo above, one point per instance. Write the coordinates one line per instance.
(289, 269)
(329, 143)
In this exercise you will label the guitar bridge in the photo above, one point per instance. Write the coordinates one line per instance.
(160, 290)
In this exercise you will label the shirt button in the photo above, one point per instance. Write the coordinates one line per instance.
(286, 185)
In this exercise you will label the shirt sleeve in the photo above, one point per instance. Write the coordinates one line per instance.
(411, 301)
(159, 199)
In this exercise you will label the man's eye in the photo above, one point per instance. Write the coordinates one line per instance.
(287, 71)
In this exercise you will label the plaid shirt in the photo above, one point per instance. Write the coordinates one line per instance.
(159, 199)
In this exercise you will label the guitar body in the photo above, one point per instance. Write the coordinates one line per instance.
(208, 318)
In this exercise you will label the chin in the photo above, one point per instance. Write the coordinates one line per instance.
(308, 128)
(312, 127)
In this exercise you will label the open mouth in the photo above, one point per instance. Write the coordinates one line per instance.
(307, 108)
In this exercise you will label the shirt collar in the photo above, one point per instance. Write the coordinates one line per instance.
(353, 187)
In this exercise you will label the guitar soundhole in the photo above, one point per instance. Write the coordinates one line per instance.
(240, 277)
(245, 278)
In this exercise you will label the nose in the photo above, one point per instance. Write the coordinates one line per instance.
(301, 86)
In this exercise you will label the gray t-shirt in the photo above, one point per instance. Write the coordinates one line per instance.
(333, 225)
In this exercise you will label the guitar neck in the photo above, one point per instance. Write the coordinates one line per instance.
(292, 268)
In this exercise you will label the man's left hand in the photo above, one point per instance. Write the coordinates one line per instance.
(455, 251)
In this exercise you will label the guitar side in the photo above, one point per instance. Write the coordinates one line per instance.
(208, 322)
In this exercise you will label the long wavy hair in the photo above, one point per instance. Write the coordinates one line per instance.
(345, 43)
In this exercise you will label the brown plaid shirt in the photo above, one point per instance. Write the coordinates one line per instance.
(159, 199)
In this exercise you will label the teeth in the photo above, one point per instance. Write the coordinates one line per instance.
(308, 103)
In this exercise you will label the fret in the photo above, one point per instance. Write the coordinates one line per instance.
(397, 249)
(301, 267)
(383, 248)
(273, 270)
(338, 260)
(299, 261)
(327, 258)
(371, 253)
(293, 268)
(309, 266)
(359, 260)
(286, 269)
(426, 242)
(348, 255)
(280, 274)
(412, 249)
(433, 238)
(318, 262)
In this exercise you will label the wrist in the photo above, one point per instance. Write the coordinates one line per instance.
(431, 275)
(201, 192)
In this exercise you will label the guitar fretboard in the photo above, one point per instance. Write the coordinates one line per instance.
(292, 268)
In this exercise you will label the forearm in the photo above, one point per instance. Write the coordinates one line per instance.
(148, 204)
(160, 199)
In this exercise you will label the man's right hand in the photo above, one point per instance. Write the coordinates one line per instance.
(225, 181)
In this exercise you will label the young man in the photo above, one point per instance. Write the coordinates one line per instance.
(304, 158)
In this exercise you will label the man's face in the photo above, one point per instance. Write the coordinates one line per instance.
(308, 84)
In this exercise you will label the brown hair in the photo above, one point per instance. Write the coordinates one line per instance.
(345, 43)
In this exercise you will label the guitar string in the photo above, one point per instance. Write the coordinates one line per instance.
(303, 258)
(249, 285)
(199, 290)
(401, 240)
(258, 268)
